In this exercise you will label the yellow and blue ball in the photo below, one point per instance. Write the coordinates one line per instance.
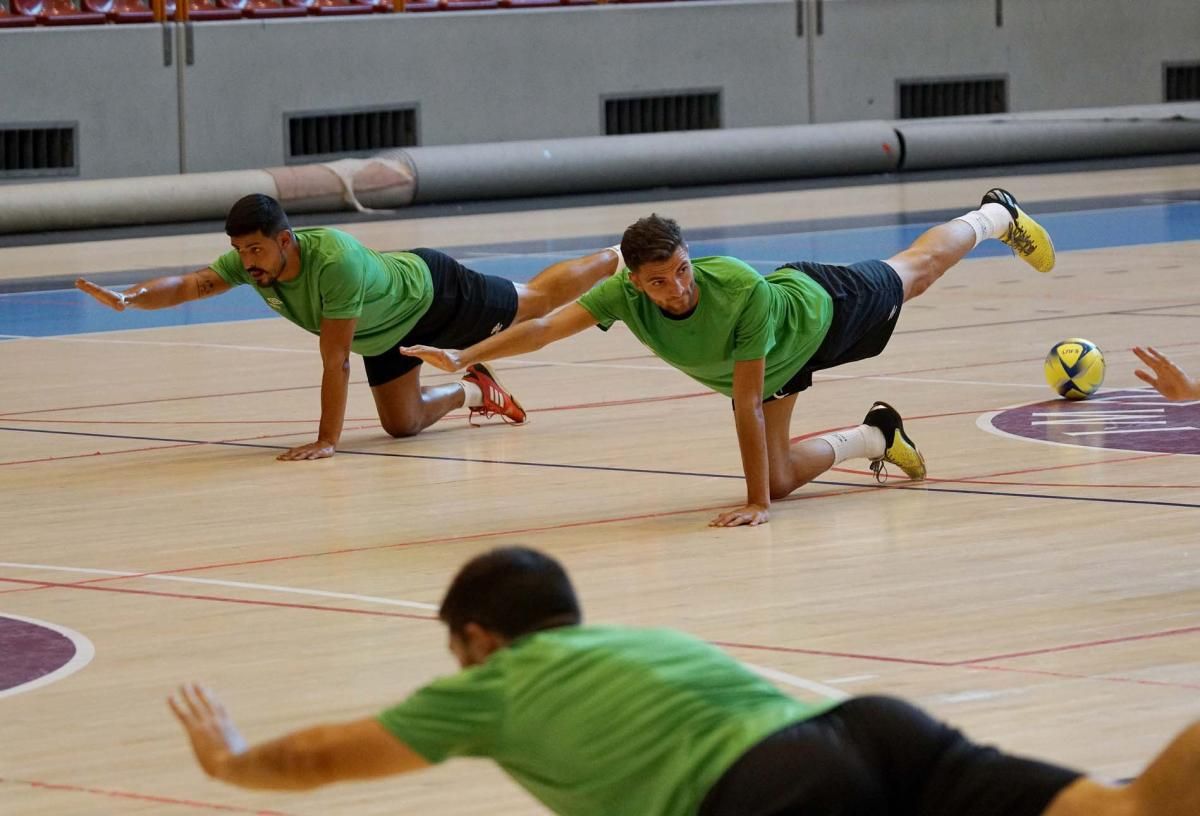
(1075, 368)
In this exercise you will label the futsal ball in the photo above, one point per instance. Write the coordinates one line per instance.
(1075, 368)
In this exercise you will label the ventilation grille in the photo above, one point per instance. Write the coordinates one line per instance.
(658, 114)
(37, 151)
(952, 97)
(328, 134)
(1181, 82)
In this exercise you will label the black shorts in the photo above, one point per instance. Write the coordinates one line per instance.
(878, 755)
(467, 307)
(867, 297)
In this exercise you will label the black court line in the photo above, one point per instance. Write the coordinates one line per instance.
(600, 468)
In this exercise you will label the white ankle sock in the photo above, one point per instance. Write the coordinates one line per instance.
(989, 221)
(863, 442)
(472, 396)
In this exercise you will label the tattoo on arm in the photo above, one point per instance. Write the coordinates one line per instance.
(204, 286)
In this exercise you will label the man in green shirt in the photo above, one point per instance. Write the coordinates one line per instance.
(759, 339)
(605, 720)
(358, 300)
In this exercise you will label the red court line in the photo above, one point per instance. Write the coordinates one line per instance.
(99, 453)
(969, 665)
(986, 478)
(1186, 630)
(169, 399)
(1107, 678)
(440, 540)
(141, 797)
(574, 407)
(826, 653)
(217, 598)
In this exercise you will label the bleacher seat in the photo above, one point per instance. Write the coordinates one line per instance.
(545, 3)
(333, 7)
(467, 5)
(200, 10)
(57, 12)
(10, 20)
(121, 11)
(259, 9)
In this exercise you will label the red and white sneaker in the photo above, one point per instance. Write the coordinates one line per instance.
(497, 401)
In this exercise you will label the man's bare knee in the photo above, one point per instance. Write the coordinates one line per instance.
(398, 429)
(783, 487)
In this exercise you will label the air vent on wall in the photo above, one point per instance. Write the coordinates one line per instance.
(661, 113)
(1181, 82)
(918, 99)
(42, 150)
(330, 134)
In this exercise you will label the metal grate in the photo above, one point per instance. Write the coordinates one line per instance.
(952, 97)
(665, 112)
(1181, 82)
(344, 133)
(37, 151)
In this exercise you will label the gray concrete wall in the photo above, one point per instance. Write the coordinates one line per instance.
(110, 80)
(486, 76)
(510, 75)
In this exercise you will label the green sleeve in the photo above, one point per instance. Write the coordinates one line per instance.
(458, 715)
(229, 267)
(752, 333)
(342, 290)
(605, 302)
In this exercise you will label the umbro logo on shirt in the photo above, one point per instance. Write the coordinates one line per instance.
(498, 327)
(274, 303)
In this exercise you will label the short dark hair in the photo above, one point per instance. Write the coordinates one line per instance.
(256, 213)
(512, 591)
(652, 238)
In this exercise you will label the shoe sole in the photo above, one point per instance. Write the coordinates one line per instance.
(489, 371)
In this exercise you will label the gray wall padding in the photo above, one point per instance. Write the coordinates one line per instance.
(464, 172)
(1049, 136)
(141, 200)
(508, 169)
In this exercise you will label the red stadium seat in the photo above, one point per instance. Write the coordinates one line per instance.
(468, 5)
(546, 3)
(10, 20)
(266, 8)
(331, 7)
(121, 11)
(57, 12)
(200, 10)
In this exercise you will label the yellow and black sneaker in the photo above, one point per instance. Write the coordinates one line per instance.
(1026, 237)
(899, 449)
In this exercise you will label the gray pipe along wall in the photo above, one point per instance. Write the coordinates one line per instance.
(531, 168)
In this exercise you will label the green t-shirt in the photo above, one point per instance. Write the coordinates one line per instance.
(341, 278)
(741, 316)
(600, 720)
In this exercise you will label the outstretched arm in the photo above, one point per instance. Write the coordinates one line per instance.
(1167, 378)
(519, 339)
(158, 293)
(360, 749)
(336, 336)
(752, 441)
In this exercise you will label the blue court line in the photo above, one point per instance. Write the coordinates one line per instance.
(600, 468)
(67, 311)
